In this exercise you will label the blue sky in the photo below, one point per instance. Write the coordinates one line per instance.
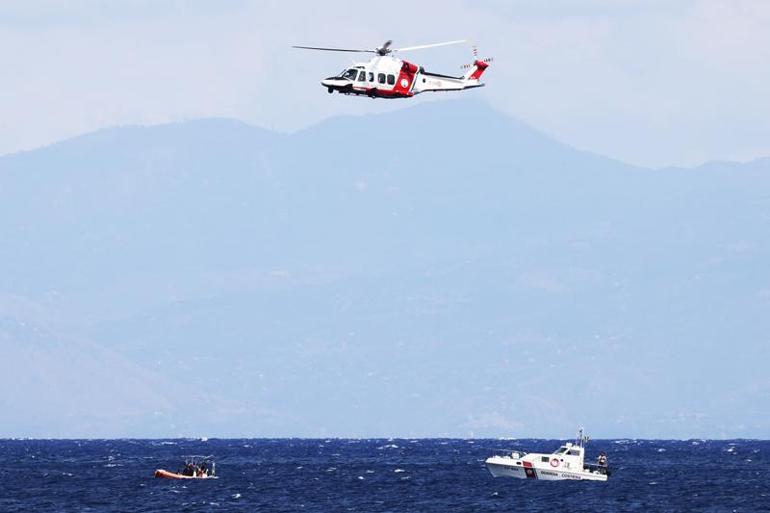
(648, 82)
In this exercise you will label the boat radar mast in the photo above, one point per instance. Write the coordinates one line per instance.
(582, 439)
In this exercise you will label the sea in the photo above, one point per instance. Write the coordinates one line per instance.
(376, 475)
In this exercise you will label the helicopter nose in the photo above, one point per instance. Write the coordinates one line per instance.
(329, 84)
(333, 82)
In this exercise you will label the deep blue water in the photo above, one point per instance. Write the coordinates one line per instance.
(376, 476)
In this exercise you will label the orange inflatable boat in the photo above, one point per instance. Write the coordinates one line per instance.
(165, 474)
(195, 467)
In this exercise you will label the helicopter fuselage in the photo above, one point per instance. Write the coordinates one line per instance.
(389, 77)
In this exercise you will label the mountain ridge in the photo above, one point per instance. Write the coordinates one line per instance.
(323, 124)
(421, 272)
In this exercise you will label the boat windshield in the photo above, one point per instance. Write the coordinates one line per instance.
(561, 450)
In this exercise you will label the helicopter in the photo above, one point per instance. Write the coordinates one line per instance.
(385, 76)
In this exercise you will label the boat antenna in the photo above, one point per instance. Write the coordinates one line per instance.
(582, 438)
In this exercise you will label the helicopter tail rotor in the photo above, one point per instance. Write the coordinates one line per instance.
(477, 68)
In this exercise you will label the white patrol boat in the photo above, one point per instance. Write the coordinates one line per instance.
(567, 462)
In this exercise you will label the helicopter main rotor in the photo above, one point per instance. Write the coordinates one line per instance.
(383, 50)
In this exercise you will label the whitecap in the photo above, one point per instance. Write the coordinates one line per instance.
(399, 470)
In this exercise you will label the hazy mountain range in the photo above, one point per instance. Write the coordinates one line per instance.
(442, 270)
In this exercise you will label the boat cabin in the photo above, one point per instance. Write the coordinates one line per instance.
(569, 456)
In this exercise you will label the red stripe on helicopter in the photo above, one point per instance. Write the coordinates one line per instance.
(405, 78)
(480, 67)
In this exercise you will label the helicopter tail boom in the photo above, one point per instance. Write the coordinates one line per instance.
(435, 82)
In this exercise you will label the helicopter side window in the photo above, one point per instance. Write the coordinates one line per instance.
(381, 78)
(371, 77)
(350, 74)
(391, 79)
(362, 76)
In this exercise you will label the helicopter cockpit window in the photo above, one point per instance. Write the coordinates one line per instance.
(350, 74)
(381, 78)
(362, 76)
(391, 79)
